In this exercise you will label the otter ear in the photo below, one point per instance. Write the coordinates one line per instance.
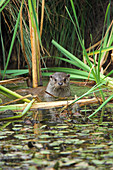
(51, 76)
(68, 75)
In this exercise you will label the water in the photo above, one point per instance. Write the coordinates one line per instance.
(45, 139)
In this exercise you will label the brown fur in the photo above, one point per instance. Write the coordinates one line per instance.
(59, 85)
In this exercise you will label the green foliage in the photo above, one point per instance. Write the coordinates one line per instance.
(57, 25)
(27, 108)
(3, 3)
(75, 73)
(33, 16)
(90, 70)
(14, 73)
(12, 42)
(101, 106)
(10, 93)
(11, 19)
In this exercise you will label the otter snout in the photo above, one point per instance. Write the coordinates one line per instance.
(60, 83)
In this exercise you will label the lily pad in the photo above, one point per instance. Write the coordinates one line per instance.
(98, 162)
(44, 136)
(3, 137)
(56, 143)
(20, 136)
(45, 152)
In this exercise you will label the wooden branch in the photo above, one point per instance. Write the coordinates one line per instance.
(48, 105)
(12, 80)
(53, 104)
(85, 83)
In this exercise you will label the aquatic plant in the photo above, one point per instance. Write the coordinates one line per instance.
(89, 68)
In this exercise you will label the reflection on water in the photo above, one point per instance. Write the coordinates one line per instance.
(43, 140)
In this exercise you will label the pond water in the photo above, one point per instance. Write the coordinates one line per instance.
(43, 140)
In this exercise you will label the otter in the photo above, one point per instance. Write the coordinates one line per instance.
(59, 85)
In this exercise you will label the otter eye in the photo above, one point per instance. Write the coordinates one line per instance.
(65, 80)
(55, 80)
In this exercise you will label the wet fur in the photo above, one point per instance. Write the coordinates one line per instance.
(59, 85)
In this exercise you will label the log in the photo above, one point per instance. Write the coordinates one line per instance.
(53, 104)
(15, 80)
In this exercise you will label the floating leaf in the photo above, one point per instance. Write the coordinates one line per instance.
(20, 136)
(56, 143)
(61, 127)
(68, 163)
(98, 162)
(97, 146)
(3, 137)
(66, 153)
(44, 136)
(109, 155)
(45, 152)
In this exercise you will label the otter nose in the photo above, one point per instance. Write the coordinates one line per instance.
(60, 83)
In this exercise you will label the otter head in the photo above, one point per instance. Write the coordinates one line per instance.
(59, 80)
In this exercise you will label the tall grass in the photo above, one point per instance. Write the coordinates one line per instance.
(57, 26)
(91, 70)
(30, 35)
(10, 14)
(35, 36)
